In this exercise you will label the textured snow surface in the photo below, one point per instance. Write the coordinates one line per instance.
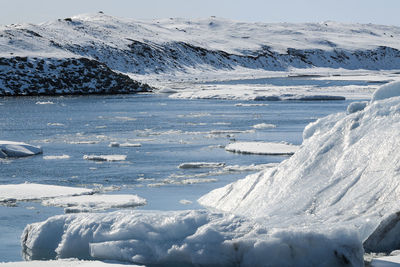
(188, 237)
(95, 202)
(386, 91)
(262, 148)
(17, 149)
(27, 191)
(62, 263)
(347, 171)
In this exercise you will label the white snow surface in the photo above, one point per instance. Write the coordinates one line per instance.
(28, 191)
(389, 261)
(63, 263)
(190, 238)
(95, 202)
(10, 149)
(386, 91)
(262, 148)
(346, 172)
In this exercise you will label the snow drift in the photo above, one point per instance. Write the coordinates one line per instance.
(341, 188)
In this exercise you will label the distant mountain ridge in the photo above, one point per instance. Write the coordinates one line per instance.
(177, 45)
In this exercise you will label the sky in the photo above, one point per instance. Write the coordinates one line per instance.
(354, 11)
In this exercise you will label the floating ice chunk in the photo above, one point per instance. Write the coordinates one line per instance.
(218, 132)
(116, 144)
(17, 149)
(54, 157)
(187, 238)
(356, 106)
(63, 263)
(124, 118)
(55, 124)
(197, 165)
(105, 157)
(185, 202)
(95, 202)
(27, 191)
(262, 148)
(387, 91)
(264, 126)
(44, 103)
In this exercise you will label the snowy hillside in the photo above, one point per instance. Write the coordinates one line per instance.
(177, 45)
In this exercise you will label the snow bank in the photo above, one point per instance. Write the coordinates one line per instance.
(262, 148)
(197, 165)
(387, 91)
(187, 238)
(347, 172)
(105, 157)
(27, 191)
(95, 202)
(17, 149)
(62, 263)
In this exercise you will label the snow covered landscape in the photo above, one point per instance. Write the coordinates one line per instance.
(267, 196)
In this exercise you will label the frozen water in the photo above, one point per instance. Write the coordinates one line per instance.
(17, 149)
(197, 165)
(188, 238)
(95, 202)
(63, 263)
(387, 91)
(262, 148)
(28, 191)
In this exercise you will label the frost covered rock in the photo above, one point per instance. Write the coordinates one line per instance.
(9, 149)
(189, 238)
(347, 172)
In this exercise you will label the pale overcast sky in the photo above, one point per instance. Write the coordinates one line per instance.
(361, 11)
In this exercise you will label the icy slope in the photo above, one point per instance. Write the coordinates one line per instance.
(346, 171)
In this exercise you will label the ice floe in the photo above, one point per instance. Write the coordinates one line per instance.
(199, 238)
(44, 103)
(105, 157)
(198, 165)
(27, 192)
(95, 202)
(387, 91)
(56, 157)
(264, 126)
(262, 148)
(10, 149)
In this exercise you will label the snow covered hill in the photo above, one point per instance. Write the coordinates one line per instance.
(155, 47)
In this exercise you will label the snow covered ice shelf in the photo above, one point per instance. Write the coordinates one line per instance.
(63, 263)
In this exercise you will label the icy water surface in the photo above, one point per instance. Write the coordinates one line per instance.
(170, 132)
